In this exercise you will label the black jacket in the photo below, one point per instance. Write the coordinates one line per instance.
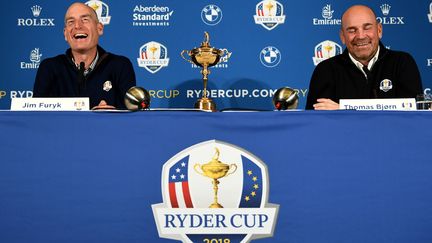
(339, 78)
(58, 77)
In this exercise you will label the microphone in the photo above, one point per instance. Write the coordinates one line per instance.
(137, 98)
(81, 77)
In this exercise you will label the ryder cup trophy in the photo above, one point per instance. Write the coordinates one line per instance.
(205, 56)
(215, 170)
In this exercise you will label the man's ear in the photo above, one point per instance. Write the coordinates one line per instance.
(64, 34)
(100, 28)
(380, 30)
(342, 37)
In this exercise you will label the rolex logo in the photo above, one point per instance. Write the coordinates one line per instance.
(36, 10)
(385, 9)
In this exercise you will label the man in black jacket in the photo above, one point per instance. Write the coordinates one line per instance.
(86, 70)
(366, 69)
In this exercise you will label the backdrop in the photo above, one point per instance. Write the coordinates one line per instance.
(271, 44)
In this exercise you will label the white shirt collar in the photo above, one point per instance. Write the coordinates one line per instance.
(372, 62)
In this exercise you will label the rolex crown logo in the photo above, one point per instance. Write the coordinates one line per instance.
(36, 10)
(385, 9)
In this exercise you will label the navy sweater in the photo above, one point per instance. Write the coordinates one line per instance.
(58, 77)
(339, 78)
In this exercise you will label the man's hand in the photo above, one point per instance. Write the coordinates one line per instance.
(103, 105)
(326, 104)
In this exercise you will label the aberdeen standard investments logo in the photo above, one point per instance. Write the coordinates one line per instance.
(151, 15)
(269, 14)
(36, 21)
(153, 56)
(101, 9)
(222, 200)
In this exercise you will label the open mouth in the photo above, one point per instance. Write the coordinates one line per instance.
(362, 44)
(80, 36)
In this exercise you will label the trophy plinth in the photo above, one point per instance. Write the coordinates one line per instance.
(215, 170)
(205, 56)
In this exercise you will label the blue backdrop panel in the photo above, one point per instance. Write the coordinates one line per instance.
(337, 176)
(264, 55)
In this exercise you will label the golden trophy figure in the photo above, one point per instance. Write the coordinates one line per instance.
(205, 56)
(328, 48)
(269, 6)
(215, 170)
(153, 49)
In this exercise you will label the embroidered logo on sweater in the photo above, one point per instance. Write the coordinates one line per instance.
(107, 86)
(386, 85)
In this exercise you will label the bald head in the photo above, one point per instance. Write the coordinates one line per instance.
(82, 8)
(355, 10)
(361, 33)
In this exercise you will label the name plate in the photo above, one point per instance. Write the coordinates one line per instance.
(403, 104)
(50, 104)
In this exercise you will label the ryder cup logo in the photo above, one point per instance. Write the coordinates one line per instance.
(269, 14)
(325, 50)
(430, 13)
(35, 59)
(101, 9)
(36, 12)
(215, 192)
(211, 14)
(386, 85)
(385, 10)
(327, 14)
(270, 56)
(153, 56)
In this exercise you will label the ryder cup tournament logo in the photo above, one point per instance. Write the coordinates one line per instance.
(153, 56)
(215, 192)
(101, 9)
(270, 56)
(36, 11)
(35, 59)
(151, 16)
(269, 14)
(386, 85)
(326, 50)
(327, 14)
(385, 10)
(211, 14)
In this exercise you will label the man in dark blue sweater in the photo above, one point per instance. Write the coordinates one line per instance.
(85, 70)
(366, 69)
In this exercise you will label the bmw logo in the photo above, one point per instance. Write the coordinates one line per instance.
(211, 14)
(270, 56)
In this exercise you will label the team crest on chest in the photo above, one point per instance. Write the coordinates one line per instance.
(386, 85)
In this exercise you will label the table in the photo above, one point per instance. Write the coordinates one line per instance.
(340, 176)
